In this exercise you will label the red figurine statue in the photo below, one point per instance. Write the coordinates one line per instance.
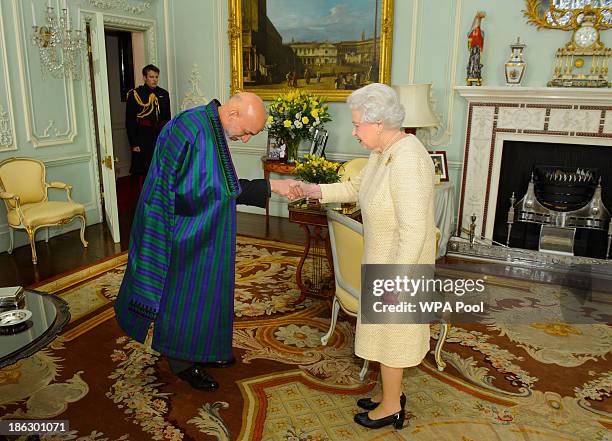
(476, 48)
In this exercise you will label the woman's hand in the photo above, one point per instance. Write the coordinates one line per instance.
(303, 189)
(292, 189)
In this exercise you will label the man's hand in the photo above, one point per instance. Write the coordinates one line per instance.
(302, 189)
(292, 189)
(136, 149)
(284, 187)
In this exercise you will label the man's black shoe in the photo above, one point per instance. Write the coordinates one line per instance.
(198, 378)
(219, 364)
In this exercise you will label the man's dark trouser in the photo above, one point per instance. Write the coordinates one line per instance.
(177, 366)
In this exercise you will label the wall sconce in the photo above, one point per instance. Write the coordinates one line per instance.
(59, 46)
(415, 99)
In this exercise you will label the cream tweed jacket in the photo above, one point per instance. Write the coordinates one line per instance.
(395, 190)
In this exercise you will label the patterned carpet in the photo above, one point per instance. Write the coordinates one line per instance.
(532, 382)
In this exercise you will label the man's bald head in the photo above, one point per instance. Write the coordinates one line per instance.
(251, 106)
(243, 116)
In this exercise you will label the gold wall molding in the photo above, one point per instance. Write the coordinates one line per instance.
(564, 18)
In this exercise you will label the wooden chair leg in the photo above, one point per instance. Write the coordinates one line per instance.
(11, 239)
(83, 241)
(31, 237)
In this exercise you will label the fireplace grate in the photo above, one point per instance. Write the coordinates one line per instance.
(563, 188)
(560, 200)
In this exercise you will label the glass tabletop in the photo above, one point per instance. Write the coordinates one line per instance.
(20, 340)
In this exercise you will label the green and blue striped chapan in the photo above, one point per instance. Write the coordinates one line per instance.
(180, 271)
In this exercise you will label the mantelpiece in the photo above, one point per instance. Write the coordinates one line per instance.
(496, 114)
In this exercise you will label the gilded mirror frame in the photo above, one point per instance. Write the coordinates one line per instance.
(234, 32)
(565, 19)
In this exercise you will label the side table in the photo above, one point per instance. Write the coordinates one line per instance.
(312, 219)
(444, 210)
(271, 166)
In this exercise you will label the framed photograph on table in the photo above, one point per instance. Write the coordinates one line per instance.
(440, 165)
(326, 48)
(319, 141)
(274, 149)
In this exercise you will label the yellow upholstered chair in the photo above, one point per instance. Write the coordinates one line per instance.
(346, 238)
(351, 168)
(25, 193)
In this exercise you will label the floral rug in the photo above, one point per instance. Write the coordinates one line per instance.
(530, 382)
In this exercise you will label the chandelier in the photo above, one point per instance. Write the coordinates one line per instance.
(59, 46)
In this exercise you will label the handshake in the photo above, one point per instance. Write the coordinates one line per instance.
(293, 189)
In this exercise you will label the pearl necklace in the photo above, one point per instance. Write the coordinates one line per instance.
(393, 140)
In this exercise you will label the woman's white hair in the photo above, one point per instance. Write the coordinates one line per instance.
(377, 103)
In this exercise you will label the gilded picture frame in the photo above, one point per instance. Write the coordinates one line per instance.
(335, 81)
(567, 14)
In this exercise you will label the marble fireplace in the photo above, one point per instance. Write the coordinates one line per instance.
(577, 118)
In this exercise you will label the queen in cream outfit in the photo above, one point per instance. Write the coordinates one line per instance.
(395, 192)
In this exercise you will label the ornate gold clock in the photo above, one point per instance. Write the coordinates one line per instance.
(584, 60)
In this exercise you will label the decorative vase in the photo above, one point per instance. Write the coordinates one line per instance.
(515, 66)
(293, 145)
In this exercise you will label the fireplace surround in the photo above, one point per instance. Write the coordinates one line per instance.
(576, 116)
(495, 114)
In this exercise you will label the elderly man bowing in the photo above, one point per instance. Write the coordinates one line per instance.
(180, 270)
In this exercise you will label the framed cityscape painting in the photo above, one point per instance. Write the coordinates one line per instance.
(327, 47)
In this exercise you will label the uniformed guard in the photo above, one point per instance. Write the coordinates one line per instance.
(147, 111)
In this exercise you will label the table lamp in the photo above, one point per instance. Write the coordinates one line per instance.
(415, 99)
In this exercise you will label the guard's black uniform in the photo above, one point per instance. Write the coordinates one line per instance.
(146, 112)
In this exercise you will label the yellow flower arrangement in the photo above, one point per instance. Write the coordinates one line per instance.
(317, 170)
(295, 115)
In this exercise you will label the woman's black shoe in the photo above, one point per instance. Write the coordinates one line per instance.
(397, 419)
(368, 404)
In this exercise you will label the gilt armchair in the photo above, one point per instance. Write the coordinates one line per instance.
(351, 168)
(24, 190)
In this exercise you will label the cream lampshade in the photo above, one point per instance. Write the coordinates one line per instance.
(415, 99)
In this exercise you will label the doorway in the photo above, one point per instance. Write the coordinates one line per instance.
(115, 59)
(122, 73)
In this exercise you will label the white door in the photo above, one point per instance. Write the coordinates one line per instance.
(103, 116)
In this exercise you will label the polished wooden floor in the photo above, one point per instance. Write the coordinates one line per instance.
(63, 254)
